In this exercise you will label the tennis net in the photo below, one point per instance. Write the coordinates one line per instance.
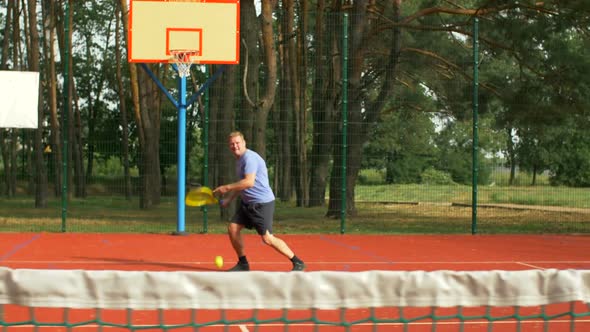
(80, 300)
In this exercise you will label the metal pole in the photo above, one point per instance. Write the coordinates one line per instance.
(475, 164)
(64, 117)
(181, 106)
(181, 169)
(344, 118)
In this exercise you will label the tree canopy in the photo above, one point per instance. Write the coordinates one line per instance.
(399, 74)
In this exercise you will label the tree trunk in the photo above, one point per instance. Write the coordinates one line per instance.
(324, 100)
(353, 161)
(91, 125)
(222, 101)
(511, 157)
(270, 82)
(250, 68)
(150, 115)
(123, 109)
(255, 123)
(8, 26)
(77, 144)
(93, 100)
(56, 150)
(28, 161)
(4, 134)
(295, 55)
(282, 114)
(302, 107)
(358, 122)
(5, 164)
(34, 65)
(134, 82)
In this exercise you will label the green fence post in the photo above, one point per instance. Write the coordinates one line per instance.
(65, 115)
(344, 118)
(475, 164)
(206, 151)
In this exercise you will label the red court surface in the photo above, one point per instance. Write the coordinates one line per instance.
(320, 252)
(196, 252)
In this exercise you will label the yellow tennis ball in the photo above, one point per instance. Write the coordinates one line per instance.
(219, 261)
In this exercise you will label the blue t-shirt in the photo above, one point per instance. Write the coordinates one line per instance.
(251, 162)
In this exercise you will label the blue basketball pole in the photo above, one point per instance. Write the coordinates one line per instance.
(181, 105)
(181, 168)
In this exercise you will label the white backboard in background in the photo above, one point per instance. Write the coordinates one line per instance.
(19, 97)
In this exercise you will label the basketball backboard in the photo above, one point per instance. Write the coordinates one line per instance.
(211, 28)
(19, 92)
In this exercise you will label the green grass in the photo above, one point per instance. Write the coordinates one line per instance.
(501, 177)
(381, 209)
(528, 195)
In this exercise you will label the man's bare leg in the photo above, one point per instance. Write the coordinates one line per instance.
(234, 232)
(235, 237)
(282, 247)
(278, 245)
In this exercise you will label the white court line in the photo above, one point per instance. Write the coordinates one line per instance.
(243, 328)
(529, 265)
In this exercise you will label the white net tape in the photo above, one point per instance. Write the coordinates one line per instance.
(183, 61)
(287, 290)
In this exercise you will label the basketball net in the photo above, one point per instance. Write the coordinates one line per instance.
(182, 59)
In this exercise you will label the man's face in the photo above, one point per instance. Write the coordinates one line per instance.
(237, 145)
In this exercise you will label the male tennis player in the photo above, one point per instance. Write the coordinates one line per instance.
(257, 204)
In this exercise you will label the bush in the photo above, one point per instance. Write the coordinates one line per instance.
(112, 167)
(433, 176)
(370, 177)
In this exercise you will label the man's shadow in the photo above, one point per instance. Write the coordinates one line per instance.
(183, 267)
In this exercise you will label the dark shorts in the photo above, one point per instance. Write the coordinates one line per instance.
(255, 215)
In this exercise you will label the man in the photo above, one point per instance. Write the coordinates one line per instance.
(257, 205)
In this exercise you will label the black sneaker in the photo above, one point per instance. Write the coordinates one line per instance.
(240, 267)
(298, 266)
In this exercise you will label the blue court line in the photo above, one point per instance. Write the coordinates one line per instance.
(366, 253)
(18, 247)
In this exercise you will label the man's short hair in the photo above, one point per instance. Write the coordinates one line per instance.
(235, 133)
